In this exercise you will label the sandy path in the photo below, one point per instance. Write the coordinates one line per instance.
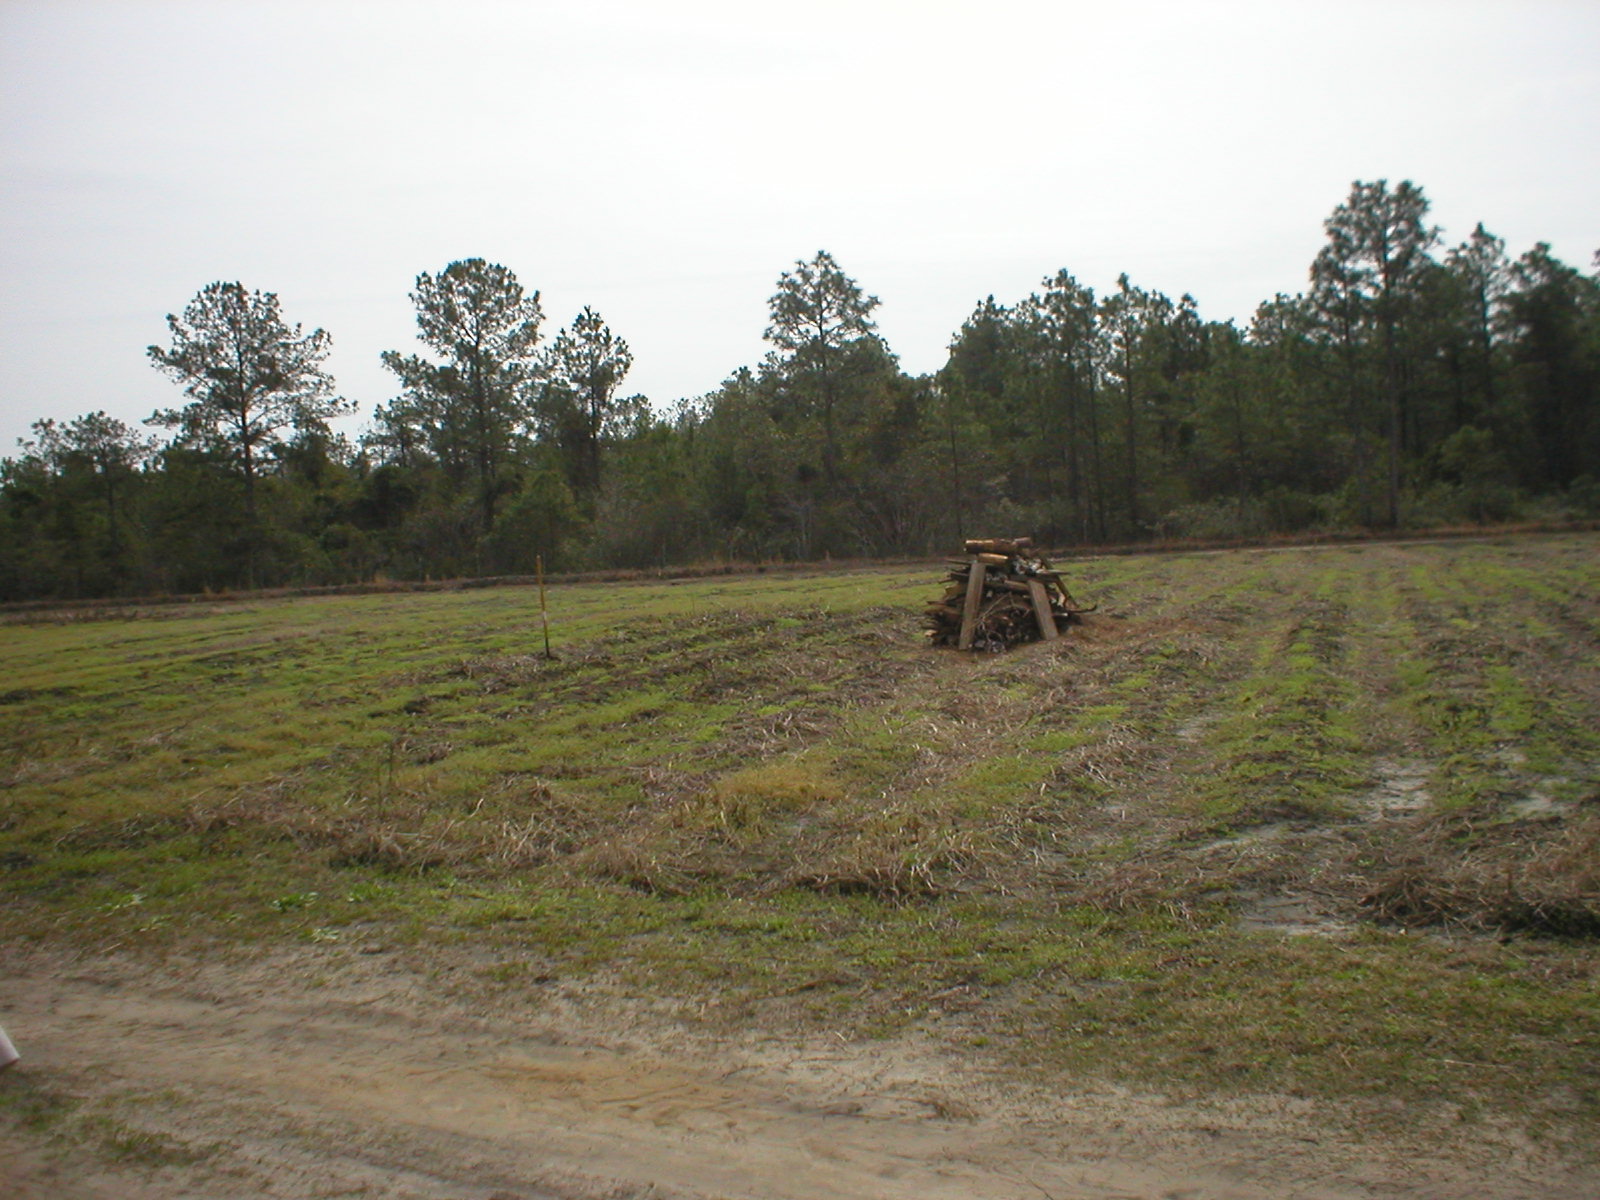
(322, 1076)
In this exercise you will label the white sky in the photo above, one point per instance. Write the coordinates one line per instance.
(663, 161)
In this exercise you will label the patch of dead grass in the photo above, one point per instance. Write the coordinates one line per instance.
(522, 825)
(1536, 877)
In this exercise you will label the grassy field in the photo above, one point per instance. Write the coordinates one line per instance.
(1323, 822)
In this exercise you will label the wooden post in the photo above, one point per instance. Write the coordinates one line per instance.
(1041, 610)
(544, 615)
(977, 572)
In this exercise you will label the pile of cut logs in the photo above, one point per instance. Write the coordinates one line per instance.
(1001, 594)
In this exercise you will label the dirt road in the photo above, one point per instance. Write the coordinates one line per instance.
(332, 1072)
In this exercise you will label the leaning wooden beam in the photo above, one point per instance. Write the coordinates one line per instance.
(1041, 609)
(969, 616)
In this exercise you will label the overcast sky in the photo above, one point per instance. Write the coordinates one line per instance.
(663, 161)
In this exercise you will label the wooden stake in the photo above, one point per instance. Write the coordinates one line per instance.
(544, 615)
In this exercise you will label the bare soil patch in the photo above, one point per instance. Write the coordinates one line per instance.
(336, 1072)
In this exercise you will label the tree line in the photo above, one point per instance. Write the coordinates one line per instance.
(1410, 384)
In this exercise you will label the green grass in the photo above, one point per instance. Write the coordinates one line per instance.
(768, 799)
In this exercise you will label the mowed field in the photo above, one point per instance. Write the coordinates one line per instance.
(1312, 823)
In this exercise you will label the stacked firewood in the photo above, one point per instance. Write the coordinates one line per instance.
(1001, 594)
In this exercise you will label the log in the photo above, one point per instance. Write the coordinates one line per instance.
(969, 617)
(1041, 610)
(1006, 546)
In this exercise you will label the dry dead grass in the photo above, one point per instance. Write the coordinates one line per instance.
(1540, 877)
(768, 830)
(522, 825)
